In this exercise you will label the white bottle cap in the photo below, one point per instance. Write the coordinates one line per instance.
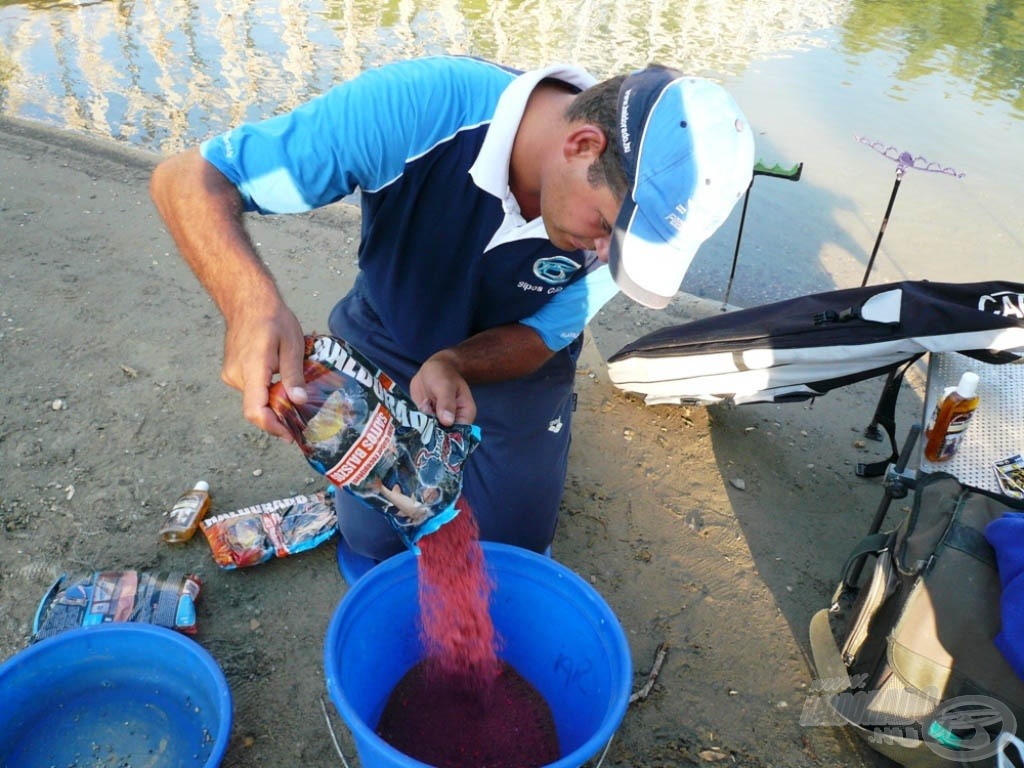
(202, 485)
(968, 385)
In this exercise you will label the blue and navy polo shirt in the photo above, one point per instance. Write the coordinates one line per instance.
(445, 252)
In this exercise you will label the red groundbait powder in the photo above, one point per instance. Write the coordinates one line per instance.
(462, 707)
(458, 635)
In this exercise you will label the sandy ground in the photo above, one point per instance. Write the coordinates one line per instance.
(111, 406)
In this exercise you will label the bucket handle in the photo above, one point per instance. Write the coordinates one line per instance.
(604, 752)
(334, 737)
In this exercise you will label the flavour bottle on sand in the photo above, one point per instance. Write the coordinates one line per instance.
(950, 419)
(182, 519)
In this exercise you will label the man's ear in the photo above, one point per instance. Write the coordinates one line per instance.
(584, 140)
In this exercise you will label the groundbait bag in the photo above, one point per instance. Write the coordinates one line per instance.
(908, 658)
(366, 436)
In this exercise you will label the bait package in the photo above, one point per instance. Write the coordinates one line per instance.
(102, 597)
(365, 435)
(281, 528)
(1010, 474)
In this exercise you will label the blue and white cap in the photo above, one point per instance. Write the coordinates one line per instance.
(689, 156)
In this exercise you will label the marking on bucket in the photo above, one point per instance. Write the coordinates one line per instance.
(574, 672)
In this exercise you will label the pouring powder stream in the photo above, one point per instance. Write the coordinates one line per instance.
(461, 706)
(458, 635)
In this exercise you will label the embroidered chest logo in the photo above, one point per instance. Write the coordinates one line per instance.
(555, 270)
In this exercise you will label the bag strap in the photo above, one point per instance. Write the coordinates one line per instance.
(971, 542)
(941, 490)
(885, 416)
(874, 544)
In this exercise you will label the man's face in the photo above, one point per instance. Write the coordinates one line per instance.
(578, 215)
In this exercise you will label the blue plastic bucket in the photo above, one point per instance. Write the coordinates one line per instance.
(556, 631)
(352, 565)
(117, 694)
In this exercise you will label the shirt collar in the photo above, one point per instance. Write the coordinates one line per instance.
(490, 171)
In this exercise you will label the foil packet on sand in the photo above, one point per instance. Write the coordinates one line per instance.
(261, 532)
(103, 597)
(364, 434)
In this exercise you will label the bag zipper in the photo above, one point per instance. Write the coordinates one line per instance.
(878, 591)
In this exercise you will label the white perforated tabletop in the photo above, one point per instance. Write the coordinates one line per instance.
(997, 429)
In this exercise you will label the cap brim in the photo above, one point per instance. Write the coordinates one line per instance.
(656, 269)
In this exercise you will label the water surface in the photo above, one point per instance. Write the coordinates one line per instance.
(843, 86)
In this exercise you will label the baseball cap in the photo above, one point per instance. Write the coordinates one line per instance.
(689, 156)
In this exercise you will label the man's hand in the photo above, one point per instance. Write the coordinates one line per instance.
(438, 389)
(441, 386)
(257, 347)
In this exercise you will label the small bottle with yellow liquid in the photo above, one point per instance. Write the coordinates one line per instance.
(182, 519)
(950, 419)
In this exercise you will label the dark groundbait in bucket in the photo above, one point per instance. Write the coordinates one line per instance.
(508, 725)
(460, 706)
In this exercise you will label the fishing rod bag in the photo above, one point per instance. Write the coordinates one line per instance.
(801, 348)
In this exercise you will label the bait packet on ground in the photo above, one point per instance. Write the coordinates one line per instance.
(102, 597)
(281, 528)
(364, 434)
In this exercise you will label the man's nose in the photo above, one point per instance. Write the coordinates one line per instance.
(601, 246)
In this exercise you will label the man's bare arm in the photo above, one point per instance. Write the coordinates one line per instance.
(203, 213)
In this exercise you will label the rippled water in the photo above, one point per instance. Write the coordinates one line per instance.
(161, 73)
(843, 86)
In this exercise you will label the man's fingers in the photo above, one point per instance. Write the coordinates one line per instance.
(457, 408)
(465, 409)
(439, 390)
(256, 407)
(445, 407)
(291, 373)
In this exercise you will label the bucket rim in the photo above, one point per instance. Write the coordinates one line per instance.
(574, 759)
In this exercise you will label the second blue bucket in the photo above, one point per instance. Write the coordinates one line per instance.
(556, 630)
